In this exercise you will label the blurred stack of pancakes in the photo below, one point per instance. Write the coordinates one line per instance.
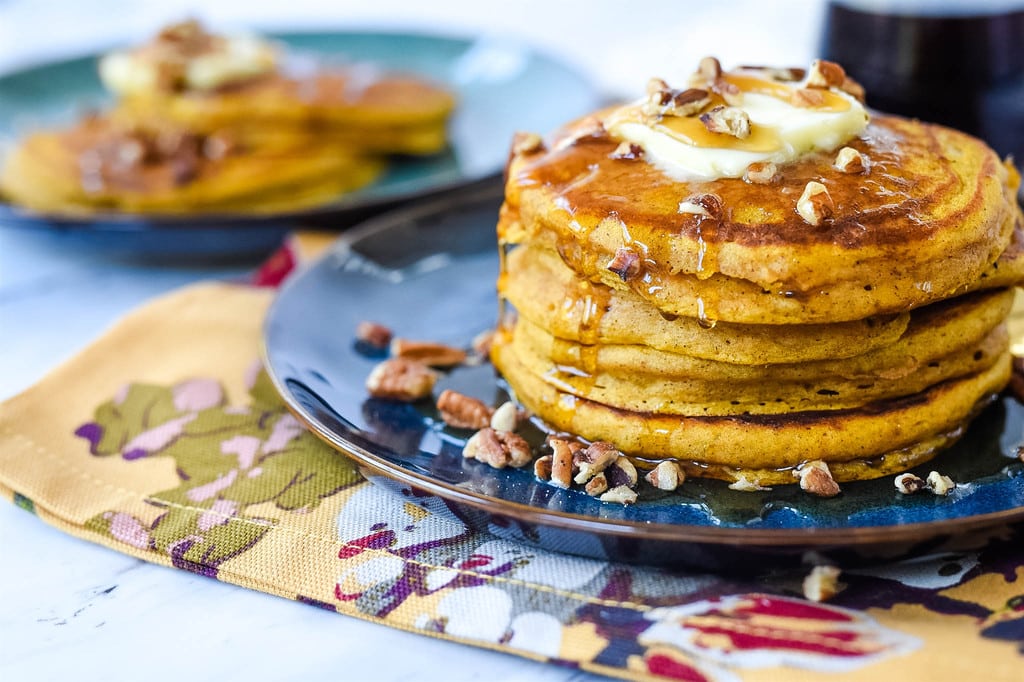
(206, 122)
(736, 326)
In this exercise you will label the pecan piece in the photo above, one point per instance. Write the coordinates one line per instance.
(622, 494)
(822, 583)
(428, 352)
(785, 75)
(666, 476)
(849, 160)
(815, 205)
(498, 449)
(825, 74)
(401, 379)
(669, 102)
(625, 264)
(462, 411)
(481, 343)
(505, 418)
(621, 472)
(853, 89)
(593, 459)
(908, 484)
(727, 121)
(542, 467)
(816, 479)
(629, 151)
(709, 69)
(761, 173)
(745, 484)
(597, 485)
(707, 205)
(373, 334)
(806, 98)
(527, 143)
(561, 462)
(939, 484)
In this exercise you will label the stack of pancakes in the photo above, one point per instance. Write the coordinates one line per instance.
(742, 341)
(218, 124)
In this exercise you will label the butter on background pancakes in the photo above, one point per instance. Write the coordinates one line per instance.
(675, 294)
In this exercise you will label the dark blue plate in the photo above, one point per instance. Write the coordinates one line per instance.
(502, 87)
(429, 273)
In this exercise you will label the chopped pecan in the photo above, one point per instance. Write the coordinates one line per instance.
(593, 459)
(822, 583)
(816, 479)
(849, 160)
(597, 485)
(373, 334)
(428, 352)
(853, 89)
(728, 92)
(785, 75)
(527, 143)
(666, 476)
(621, 472)
(761, 172)
(709, 69)
(561, 462)
(462, 411)
(744, 483)
(505, 418)
(815, 204)
(401, 379)
(825, 74)
(542, 467)
(727, 121)
(629, 151)
(498, 449)
(625, 264)
(939, 484)
(708, 205)
(908, 484)
(622, 494)
(184, 169)
(806, 98)
(671, 102)
(655, 85)
(216, 147)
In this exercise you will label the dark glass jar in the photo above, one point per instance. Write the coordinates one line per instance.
(959, 64)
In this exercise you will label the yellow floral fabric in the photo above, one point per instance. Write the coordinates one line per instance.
(165, 440)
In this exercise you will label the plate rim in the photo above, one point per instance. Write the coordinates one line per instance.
(855, 536)
(15, 216)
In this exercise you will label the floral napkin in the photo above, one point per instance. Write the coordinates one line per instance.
(165, 440)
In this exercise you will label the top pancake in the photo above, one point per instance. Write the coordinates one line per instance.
(934, 211)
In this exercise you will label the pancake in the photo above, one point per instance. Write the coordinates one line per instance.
(100, 165)
(549, 294)
(937, 211)
(639, 379)
(384, 113)
(874, 440)
(749, 274)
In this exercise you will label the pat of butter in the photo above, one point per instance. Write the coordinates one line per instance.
(780, 132)
(231, 60)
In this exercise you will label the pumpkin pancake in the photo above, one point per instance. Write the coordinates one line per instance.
(100, 164)
(756, 273)
(937, 209)
(873, 440)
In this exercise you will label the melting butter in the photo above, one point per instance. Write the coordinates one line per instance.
(780, 132)
(230, 59)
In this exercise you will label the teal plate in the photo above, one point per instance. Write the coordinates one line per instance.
(502, 87)
(429, 273)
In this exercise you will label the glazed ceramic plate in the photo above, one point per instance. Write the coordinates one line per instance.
(502, 87)
(430, 274)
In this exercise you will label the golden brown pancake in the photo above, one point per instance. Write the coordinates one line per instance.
(874, 440)
(389, 114)
(936, 211)
(99, 164)
(718, 324)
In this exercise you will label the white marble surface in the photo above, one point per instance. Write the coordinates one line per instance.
(69, 609)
